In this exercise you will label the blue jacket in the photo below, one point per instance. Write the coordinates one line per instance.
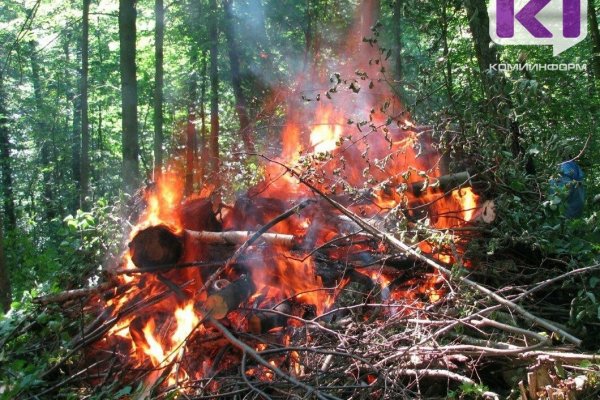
(571, 177)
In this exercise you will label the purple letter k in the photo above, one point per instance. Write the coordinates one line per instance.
(505, 25)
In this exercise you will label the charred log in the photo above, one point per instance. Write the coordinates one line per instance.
(263, 321)
(160, 245)
(219, 304)
(154, 246)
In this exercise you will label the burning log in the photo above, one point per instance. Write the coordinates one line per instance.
(154, 246)
(263, 321)
(219, 304)
(160, 245)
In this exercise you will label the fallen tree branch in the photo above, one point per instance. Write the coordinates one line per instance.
(73, 294)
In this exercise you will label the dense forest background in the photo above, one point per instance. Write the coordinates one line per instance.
(97, 97)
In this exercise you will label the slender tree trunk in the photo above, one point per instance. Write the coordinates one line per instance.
(85, 127)
(191, 135)
(5, 289)
(75, 129)
(5, 164)
(43, 131)
(446, 54)
(127, 38)
(190, 150)
(397, 14)
(214, 92)
(159, 34)
(203, 150)
(236, 81)
(595, 38)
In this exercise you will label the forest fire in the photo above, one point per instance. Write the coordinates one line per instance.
(281, 258)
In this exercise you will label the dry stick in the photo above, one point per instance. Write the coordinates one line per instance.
(249, 350)
(385, 237)
(550, 281)
(69, 379)
(73, 294)
(561, 356)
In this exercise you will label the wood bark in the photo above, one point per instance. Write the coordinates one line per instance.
(43, 130)
(214, 95)
(236, 81)
(85, 128)
(5, 163)
(129, 138)
(159, 33)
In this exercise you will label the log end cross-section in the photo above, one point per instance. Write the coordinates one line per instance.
(155, 246)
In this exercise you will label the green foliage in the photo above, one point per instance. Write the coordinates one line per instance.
(469, 391)
(75, 251)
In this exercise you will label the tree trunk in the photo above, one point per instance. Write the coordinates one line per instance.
(5, 165)
(159, 34)
(499, 101)
(397, 14)
(5, 290)
(311, 40)
(75, 128)
(446, 54)
(486, 55)
(595, 38)
(203, 148)
(43, 131)
(85, 126)
(236, 81)
(127, 38)
(214, 95)
(191, 147)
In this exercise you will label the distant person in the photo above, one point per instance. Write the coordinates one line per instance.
(571, 178)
